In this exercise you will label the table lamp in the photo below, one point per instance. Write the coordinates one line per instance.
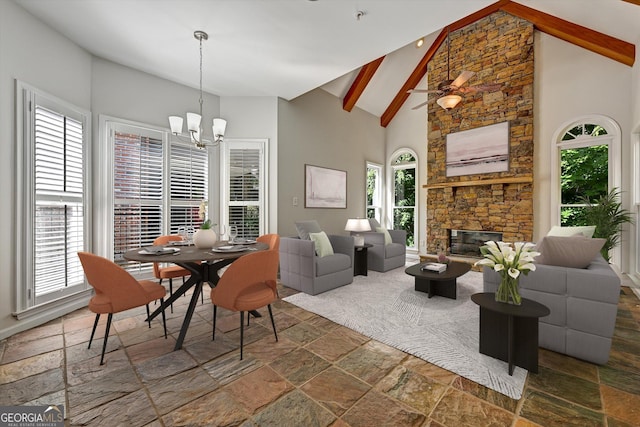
(357, 225)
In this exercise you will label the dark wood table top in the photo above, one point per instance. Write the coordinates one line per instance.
(454, 270)
(528, 308)
(193, 254)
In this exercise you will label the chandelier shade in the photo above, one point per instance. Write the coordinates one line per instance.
(448, 102)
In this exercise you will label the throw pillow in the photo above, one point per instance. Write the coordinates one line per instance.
(374, 224)
(586, 230)
(387, 236)
(306, 227)
(568, 251)
(323, 245)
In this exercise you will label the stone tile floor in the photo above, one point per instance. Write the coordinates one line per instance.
(318, 374)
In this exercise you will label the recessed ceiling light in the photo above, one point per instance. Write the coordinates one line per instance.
(419, 42)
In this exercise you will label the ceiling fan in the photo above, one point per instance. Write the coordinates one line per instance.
(449, 90)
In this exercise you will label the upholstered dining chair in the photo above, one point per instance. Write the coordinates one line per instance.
(273, 240)
(248, 284)
(116, 291)
(170, 271)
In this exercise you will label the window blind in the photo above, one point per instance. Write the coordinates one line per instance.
(188, 177)
(59, 205)
(138, 191)
(245, 190)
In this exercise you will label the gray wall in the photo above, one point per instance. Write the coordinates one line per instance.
(314, 129)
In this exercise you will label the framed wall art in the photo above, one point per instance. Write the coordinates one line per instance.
(478, 151)
(325, 188)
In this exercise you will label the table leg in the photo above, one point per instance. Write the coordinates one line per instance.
(176, 294)
(188, 315)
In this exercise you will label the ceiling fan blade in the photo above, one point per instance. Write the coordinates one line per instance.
(424, 91)
(462, 78)
(420, 105)
(480, 88)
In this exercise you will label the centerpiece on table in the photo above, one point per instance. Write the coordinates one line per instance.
(205, 237)
(509, 261)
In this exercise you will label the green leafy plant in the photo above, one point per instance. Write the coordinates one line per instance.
(607, 214)
(206, 225)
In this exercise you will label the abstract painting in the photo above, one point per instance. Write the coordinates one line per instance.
(477, 151)
(325, 188)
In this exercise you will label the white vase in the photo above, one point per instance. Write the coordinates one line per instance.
(205, 239)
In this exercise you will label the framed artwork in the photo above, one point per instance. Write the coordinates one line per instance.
(325, 188)
(477, 151)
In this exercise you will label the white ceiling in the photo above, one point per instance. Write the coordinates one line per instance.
(286, 48)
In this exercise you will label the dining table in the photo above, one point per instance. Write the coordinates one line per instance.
(204, 265)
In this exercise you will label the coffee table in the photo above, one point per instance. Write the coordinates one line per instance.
(442, 284)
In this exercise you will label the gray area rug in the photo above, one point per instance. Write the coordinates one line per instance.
(442, 331)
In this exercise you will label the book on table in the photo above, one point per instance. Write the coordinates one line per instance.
(436, 267)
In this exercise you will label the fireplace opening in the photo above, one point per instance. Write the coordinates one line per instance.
(468, 242)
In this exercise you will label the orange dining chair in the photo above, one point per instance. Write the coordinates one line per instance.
(116, 291)
(273, 240)
(247, 285)
(170, 271)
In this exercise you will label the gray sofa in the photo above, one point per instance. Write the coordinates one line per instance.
(302, 269)
(383, 257)
(583, 304)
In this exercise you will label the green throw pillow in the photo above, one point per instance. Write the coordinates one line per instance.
(323, 245)
(387, 236)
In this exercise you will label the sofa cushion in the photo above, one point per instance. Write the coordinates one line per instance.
(387, 236)
(323, 245)
(373, 223)
(586, 231)
(306, 227)
(394, 249)
(332, 264)
(568, 251)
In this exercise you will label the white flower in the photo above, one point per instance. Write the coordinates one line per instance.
(508, 259)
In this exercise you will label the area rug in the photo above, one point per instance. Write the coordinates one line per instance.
(442, 331)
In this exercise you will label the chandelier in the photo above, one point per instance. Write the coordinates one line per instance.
(193, 119)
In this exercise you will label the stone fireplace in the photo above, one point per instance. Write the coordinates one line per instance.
(499, 49)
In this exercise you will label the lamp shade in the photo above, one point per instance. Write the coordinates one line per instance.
(175, 122)
(357, 225)
(219, 127)
(193, 122)
(449, 101)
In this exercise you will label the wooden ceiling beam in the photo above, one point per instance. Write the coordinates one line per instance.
(421, 69)
(611, 47)
(360, 84)
(636, 2)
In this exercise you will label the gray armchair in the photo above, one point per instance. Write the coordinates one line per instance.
(302, 269)
(384, 257)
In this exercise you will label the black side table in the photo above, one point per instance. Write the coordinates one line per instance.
(510, 332)
(360, 259)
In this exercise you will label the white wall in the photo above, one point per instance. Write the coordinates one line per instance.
(314, 129)
(29, 51)
(571, 82)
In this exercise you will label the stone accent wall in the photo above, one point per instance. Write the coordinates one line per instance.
(499, 49)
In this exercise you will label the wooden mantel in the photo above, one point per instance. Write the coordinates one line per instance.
(514, 180)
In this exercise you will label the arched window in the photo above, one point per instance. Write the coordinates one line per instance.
(404, 210)
(586, 166)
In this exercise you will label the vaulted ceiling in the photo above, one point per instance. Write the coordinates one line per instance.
(286, 48)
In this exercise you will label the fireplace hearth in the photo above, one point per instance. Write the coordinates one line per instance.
(468, 242)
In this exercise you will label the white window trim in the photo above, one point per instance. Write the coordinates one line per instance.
(614, 146)
(26, 96)
(391, 189)
(381, 189)
(230, 143)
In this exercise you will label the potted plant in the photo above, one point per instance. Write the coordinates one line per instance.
(607, 214)
(205, 237)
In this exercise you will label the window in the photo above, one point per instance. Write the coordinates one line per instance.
(52, 204)
(403, 165)
(244, 187)
(584, 151)
(157, 187)
(374, 191)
